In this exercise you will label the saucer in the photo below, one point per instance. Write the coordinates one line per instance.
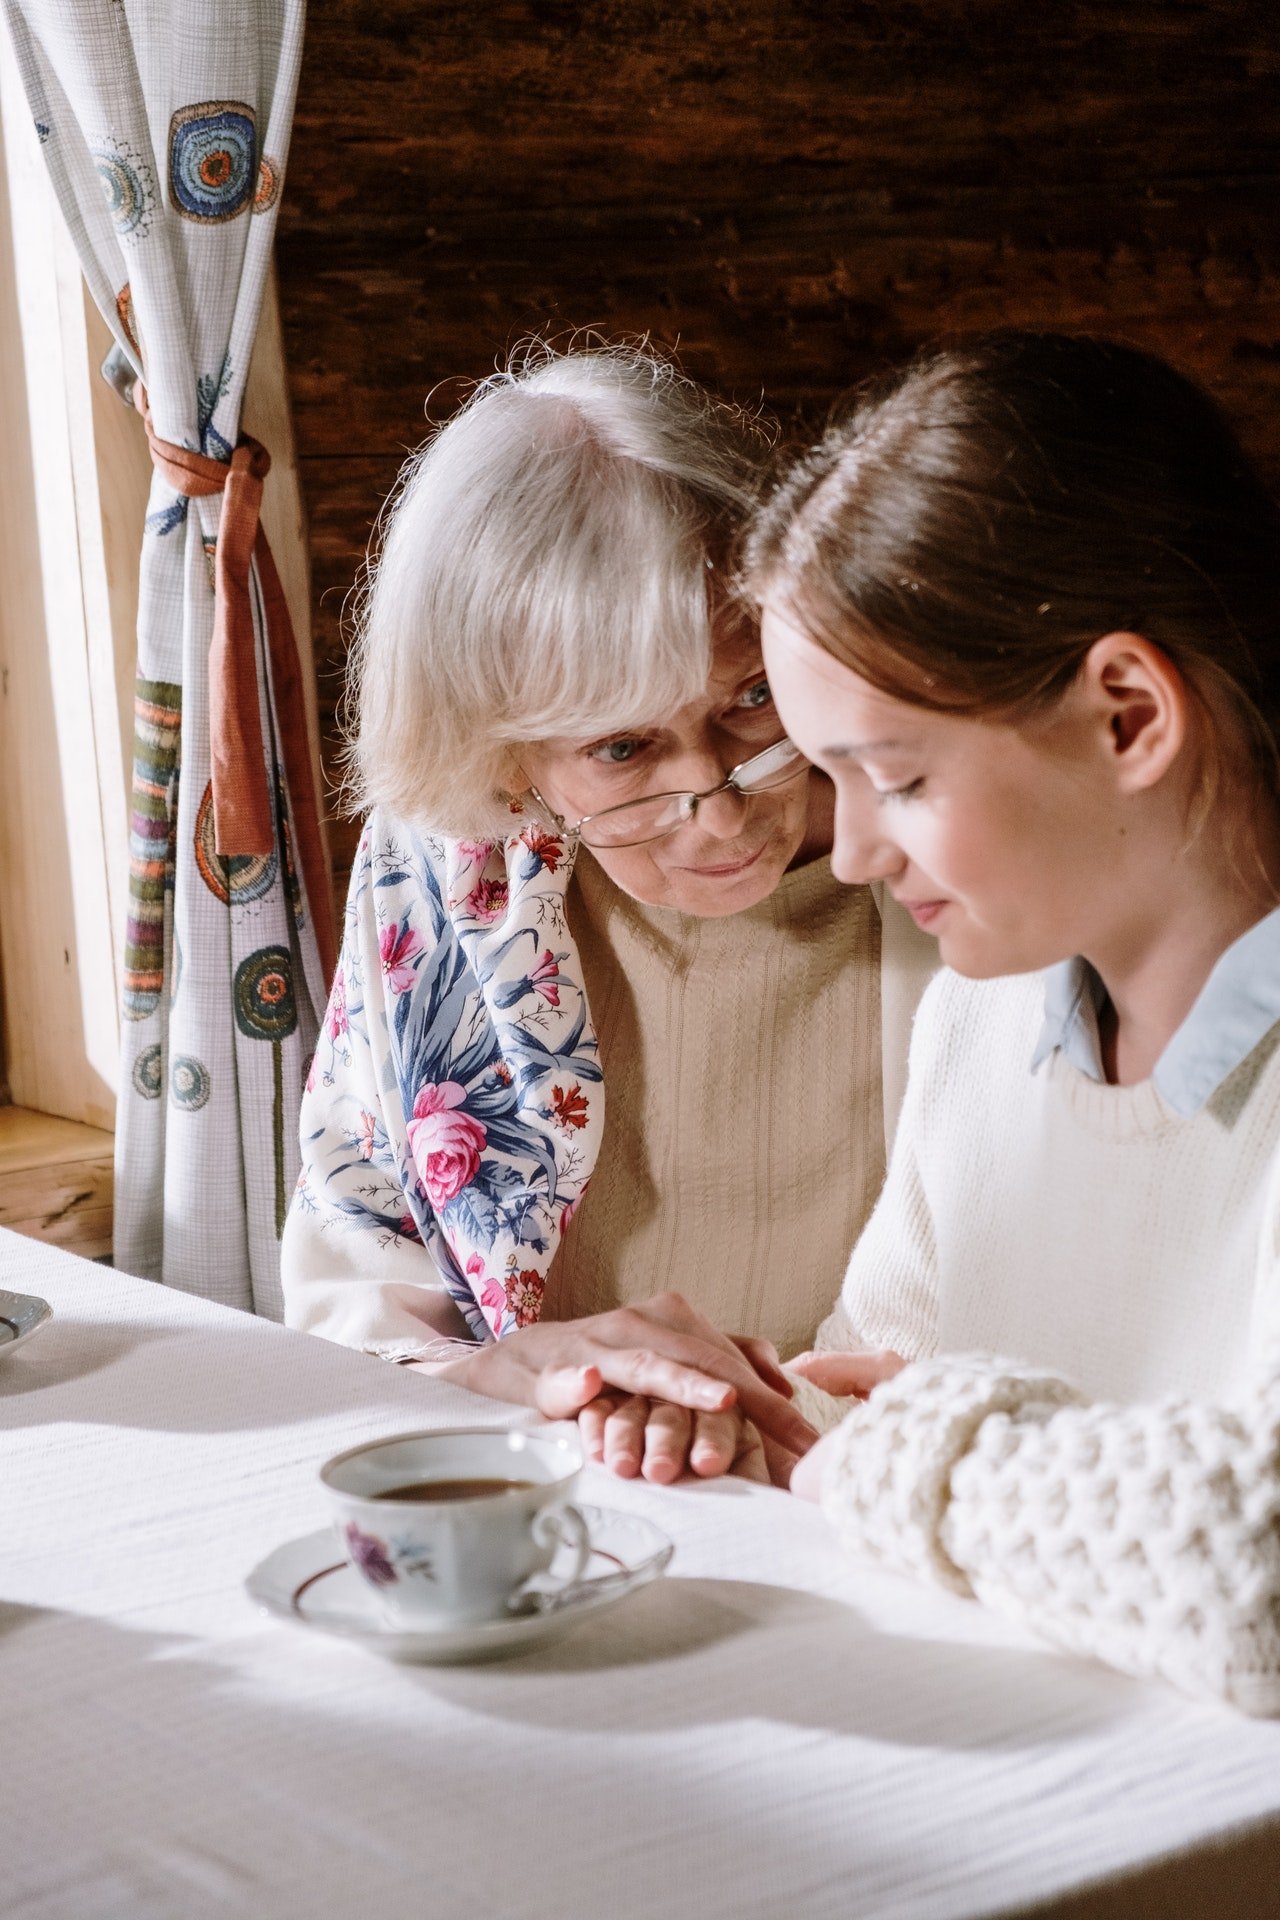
(307, 1582)
(21, 1315)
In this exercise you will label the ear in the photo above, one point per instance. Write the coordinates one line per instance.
(1139, 700)
(515, 781)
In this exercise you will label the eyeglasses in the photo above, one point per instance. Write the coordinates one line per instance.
(636, 821)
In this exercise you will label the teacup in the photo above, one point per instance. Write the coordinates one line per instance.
(459, 1524)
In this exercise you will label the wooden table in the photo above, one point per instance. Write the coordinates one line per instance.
(770, 1733)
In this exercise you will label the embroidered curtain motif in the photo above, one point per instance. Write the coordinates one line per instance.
(165, 126)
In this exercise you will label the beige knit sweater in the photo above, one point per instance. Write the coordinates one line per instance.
(1117, 1485)
(743, 1147)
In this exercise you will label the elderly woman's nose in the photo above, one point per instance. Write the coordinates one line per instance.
(721, 813)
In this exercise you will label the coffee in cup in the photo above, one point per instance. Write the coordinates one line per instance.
(420, 1490)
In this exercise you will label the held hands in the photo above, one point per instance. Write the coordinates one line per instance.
(631, 1434)
(849, 1375)
(659, 1384)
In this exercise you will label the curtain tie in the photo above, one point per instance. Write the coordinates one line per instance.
(244, 813)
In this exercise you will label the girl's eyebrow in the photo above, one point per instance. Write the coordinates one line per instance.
(749, 678)
(859, 749)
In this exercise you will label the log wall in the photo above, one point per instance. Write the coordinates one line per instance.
(793, 192)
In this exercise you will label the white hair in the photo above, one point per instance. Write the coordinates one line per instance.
(542, 575)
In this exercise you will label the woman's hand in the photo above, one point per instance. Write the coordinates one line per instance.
(631, 1435)
(806, 1481)
(849, 1375)
(661, 1350)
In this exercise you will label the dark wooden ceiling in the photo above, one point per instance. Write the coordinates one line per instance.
(792, 194)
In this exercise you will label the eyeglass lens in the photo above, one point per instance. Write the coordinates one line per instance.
(636, 821)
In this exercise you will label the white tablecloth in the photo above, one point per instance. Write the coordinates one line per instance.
(770, 1733)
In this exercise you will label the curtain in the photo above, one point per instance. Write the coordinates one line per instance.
(165, 125)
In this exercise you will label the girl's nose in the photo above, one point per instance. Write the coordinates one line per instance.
(863, 851)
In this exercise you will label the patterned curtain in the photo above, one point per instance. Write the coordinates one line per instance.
(165, 125)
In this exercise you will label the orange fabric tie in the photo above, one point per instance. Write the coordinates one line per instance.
(244, 819)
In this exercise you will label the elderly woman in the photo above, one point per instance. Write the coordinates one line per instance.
(592, 858)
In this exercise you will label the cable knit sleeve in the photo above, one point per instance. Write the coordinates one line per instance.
(1147, 1536)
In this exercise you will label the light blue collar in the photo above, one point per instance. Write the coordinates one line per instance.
(1237, 1006)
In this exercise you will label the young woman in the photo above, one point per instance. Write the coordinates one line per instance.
(1023, 608)
(591, 852)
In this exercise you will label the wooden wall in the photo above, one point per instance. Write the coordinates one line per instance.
(794, 191)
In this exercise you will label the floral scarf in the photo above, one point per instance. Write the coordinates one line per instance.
(455, 1096)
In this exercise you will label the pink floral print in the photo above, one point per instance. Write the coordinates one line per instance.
(336, 1015)
(487, 900)
(399, 948)
(446, 1145)
(544, 977)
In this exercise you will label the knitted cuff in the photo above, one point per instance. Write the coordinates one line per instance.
(822, 1410)
(888, 1479)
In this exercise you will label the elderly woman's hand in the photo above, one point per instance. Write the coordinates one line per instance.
(662, 1350)
(632, 1435)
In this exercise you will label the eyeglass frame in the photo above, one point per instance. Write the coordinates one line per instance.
(730, 784)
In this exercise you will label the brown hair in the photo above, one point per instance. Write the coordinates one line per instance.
(965, 533)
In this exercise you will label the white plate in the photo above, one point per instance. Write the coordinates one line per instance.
(307, 1582)
(21, 1315)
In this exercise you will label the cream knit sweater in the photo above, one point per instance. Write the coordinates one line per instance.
(1117, 1486)
(743, 1144)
